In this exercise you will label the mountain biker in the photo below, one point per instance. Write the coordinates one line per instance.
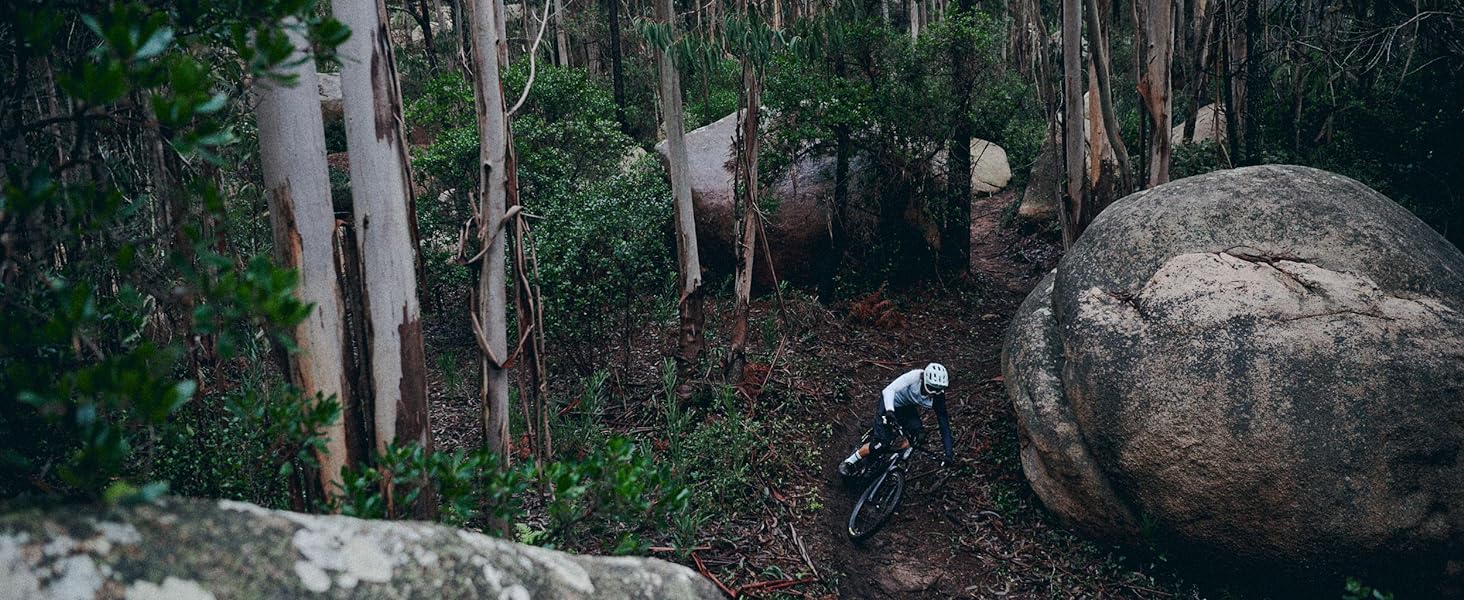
(899, 403)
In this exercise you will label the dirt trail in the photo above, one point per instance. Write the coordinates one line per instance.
(982, 534)
(932, 546)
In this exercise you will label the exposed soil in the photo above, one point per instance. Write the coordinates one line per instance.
(980, 534)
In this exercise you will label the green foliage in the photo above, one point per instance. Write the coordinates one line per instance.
(892, 104)
(605, 255)
(1354, 589)
(602, 241)
(470, 487)
(615, 489)
(710, 90)
(446, 102)
(91, 362)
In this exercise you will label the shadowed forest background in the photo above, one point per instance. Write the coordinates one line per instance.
(560, 372)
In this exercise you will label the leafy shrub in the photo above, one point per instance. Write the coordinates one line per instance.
(605, 256)
(470, 487)
(616, 489)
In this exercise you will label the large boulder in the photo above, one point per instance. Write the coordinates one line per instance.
(991, 172)
(798, 230)
(1263, 366)
(202, 550)
(1044, 185)
(1209, 126)
(332, 104)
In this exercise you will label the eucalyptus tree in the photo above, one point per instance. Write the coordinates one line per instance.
(297, 185)
(490, 54)
(1071, 210)
(688, 276)
(383, 212)
(1102, 67)
(1155, 40)
(748, 37)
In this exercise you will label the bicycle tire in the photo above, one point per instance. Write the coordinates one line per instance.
(882, 496)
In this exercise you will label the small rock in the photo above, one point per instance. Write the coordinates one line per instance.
(906, 577)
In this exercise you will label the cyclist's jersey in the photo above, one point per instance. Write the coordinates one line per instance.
(905, 391)
(904, 394)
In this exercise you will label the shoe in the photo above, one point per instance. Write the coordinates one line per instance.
(848, 468)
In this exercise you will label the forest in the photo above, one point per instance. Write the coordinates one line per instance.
(631, 278)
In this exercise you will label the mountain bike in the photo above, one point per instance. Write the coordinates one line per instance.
(886, 474)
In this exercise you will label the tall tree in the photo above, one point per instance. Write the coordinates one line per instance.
(956, 228)
(1070, 213)
(688, 276)
(292, 152)
(617, 69)
(1098, 41)
(1254, 82)
(490, 51)
(914, 18)
(381, 191)
(748, 37)
(1155, 33)
(561, 36)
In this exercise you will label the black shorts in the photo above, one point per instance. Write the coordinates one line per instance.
(909, 420)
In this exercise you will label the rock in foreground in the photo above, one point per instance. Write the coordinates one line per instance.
(1263, 366)
(197, 549)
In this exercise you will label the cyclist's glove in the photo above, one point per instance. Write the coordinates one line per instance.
(886, 420)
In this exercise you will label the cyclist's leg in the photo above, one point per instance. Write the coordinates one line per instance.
(882, 436)
(909, 420)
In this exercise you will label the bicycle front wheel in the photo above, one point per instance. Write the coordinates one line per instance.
(875, 506)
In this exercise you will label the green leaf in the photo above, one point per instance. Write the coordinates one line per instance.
(155, 44)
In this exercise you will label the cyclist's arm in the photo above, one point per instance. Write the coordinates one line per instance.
(900, 383)
(945, 426)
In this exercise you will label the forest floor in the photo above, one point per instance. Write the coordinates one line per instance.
(980, 534)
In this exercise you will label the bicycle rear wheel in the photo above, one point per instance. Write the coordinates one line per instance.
(875, 506)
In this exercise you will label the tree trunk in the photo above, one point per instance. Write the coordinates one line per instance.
(1232, 119)
(533, 383)
(1202, 33)
(460, 35)
(1254, 83)
(561, 35)
(1098, 41)
(429, 14)
(955, 248)
(1157, 35)
(381, 193)
(493, 140)
(689, 338)
(292, 152)
(747, 138)
(617, 72)
(1070, 212)
(914, 18)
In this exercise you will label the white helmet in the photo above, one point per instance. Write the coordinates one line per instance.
(935, 377)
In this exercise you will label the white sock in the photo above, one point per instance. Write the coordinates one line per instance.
(853, 458)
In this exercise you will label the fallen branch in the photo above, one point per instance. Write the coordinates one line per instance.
(768, 586)
(803, 551)
(702, 568)
(675, 549)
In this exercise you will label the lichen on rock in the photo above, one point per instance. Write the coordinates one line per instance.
(1263, 366)
(195, 549)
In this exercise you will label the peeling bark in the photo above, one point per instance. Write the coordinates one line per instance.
(689, 279)
(292, 153)
(1156, 35)
(384, 225)
(489, 50)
